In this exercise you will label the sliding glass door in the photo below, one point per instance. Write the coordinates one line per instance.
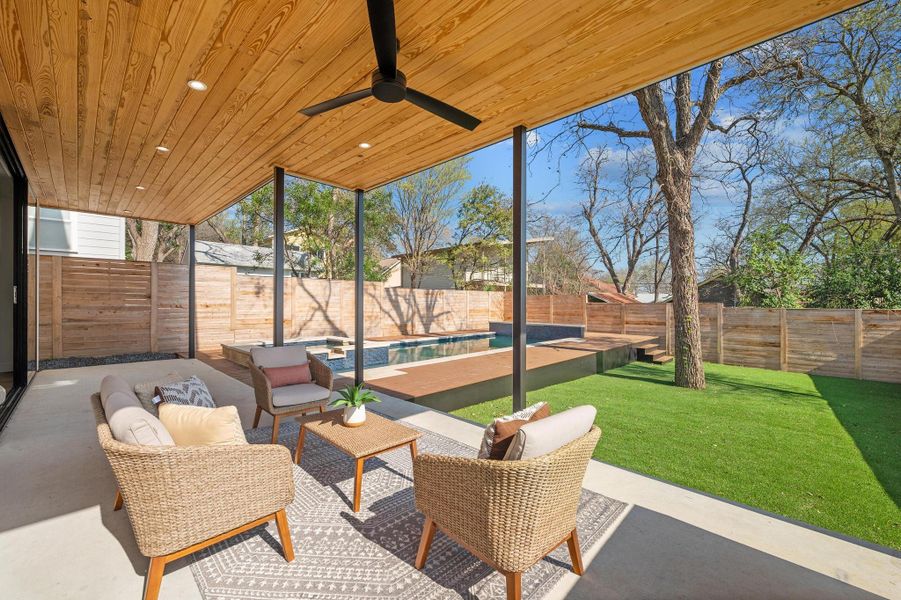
(14, 278)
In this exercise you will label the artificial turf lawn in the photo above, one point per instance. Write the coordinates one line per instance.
(823, 450)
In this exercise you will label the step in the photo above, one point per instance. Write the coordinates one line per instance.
(647, 346)
(654, 352)
(662, 359)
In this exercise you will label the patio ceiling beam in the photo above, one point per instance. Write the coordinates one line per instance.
(278, 273)
(519, 268)
(358, 286)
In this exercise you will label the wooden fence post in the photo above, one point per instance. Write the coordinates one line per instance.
(56, 322)
(719, 332)
(551, 309)
(858, 343)
(622, 318)
(233, 312)
(783, 340)
(154, 306)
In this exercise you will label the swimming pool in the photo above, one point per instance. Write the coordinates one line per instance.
(439, 349)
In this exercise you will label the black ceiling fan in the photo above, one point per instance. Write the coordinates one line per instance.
(388, 83)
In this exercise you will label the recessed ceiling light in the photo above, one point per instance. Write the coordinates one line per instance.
(140, 188)
(365, 145)
(198, 85)
(162, 149)
(127, 212)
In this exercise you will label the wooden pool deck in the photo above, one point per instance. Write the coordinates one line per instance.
(450, 382)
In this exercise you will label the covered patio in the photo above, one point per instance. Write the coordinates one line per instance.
(169, 112)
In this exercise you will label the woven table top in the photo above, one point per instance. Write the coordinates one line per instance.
(376, 435)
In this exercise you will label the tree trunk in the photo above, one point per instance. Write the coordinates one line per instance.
(686, 313)
(143, 241)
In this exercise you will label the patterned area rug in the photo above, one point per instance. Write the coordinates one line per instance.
(341, 555)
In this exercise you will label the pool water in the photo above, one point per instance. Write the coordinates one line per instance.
(406, 354)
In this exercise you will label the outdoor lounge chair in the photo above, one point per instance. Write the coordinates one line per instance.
(181, 499)
(508, 513)
(293, 399)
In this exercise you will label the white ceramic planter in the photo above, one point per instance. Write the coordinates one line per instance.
(354, 416)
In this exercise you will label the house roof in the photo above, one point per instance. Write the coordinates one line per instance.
(88, 104)
(236, 255)
(606, 292)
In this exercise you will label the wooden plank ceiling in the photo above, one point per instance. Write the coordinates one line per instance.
(90, 88)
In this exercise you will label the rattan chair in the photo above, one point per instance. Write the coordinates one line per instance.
(322, 377)
(181, 499)
(510, 514)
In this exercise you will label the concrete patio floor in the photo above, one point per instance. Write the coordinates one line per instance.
(59, 537)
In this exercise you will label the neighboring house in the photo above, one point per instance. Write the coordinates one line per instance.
(248, 259)
(603, 291)
(439, 277)
(77, 234)
(716, 288)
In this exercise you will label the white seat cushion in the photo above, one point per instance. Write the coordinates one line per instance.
(302, 393)
(282, 356)
(541, 437)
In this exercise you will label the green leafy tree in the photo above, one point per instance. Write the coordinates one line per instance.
(771, 275)
(863, 276)
(484, 223)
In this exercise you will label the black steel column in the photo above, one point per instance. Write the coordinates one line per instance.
(519, 268)
(278, 289)
(358, 287)
(192, 295)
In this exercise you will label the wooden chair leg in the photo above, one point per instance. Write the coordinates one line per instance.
(298, 450)
(154, 577)
(321, 409)
(428, 534)
(275, 420)
(514, 586)
(117, 503)
(575, 553)
(358, 483)
(256, 417)
(284, 534)
(413, 450)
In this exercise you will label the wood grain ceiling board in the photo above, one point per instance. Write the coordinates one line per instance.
(90, 88)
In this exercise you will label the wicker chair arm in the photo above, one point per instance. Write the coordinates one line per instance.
(321, 372)
(262, 388)
(179, 496)
(509, 513)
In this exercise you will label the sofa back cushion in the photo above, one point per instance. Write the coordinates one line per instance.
(541, 437)
(128, 421)
(282, 356)
(201, 426)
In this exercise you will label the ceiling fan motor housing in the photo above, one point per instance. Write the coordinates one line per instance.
(389, 90)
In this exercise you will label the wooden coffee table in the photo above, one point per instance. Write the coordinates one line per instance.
(376, 436)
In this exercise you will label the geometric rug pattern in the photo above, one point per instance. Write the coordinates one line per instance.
(342, 555)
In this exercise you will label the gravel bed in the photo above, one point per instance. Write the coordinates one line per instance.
(91, 361)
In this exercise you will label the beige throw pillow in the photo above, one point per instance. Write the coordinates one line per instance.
(541, 437)
(201, 426)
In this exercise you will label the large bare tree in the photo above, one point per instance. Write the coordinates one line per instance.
(675, 116)
(423, 206)
(624, 218)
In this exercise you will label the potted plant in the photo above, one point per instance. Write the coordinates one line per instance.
(354, 399)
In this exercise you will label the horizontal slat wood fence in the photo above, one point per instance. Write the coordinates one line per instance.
(863, 344)
(91, 307)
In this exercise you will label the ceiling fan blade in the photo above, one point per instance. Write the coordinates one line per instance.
(384, 35)
(445, 111)
(312, 111)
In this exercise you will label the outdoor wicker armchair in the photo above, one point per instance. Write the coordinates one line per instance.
(290, 400)
(510, 514)
(181, 499)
